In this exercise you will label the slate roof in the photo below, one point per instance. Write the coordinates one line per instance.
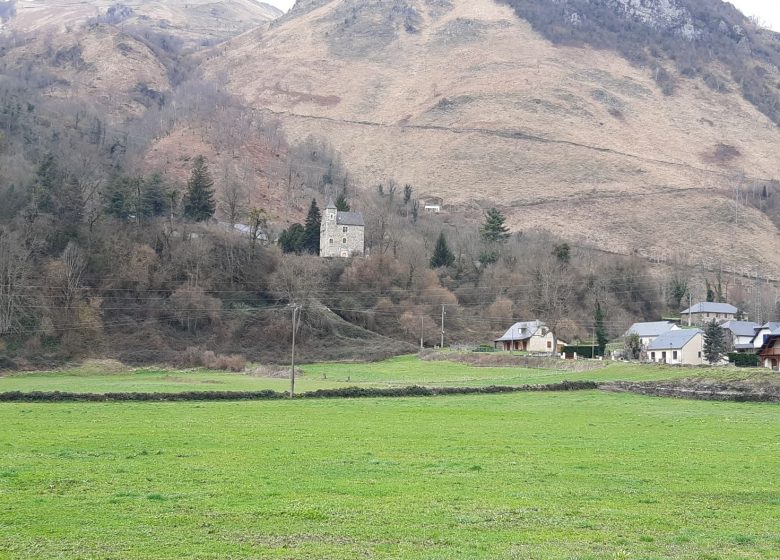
(650, 329)
(772, 326)
(349, 219)
(711, 307)
(521, 331)
(674, 340)
(741, 328)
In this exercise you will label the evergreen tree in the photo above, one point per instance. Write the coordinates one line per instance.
(311, 234)
(710, 292)
(341, 202)
(601, 331)
(291, 240)
(494, 230)
(199, 201)
(633, 346)
(154, 201)
(442, 256)
(562, 252)
(714, 342)
(407, 193)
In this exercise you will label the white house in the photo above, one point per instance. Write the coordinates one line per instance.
(741, 334)
(707, 311)
(678, 347)
(762, 333)
(648, 332)
(529, 336)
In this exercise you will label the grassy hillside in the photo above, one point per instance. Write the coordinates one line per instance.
(585, 475)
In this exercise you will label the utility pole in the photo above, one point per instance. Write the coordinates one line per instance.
(593, 342)
(422, 332)
(295, 313)
(690, 307)
(443, 313)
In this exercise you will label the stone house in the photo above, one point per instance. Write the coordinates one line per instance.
(707, 311)
(648, 332)
(528, 336)
(678, 347)
(342, 234)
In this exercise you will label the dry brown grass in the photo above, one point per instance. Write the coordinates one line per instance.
(523, 129)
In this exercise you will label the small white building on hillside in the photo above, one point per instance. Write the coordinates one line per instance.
(678, 347)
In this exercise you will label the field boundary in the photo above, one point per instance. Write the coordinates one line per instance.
(696, 391)
(345, 393)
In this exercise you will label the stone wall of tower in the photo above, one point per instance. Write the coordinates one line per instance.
(340, 240)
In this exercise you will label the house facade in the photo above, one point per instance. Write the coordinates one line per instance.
(706, 312)
(770, 352)
(762, 333)
(648, 332)
(740, 335)
(342, 234)
(529, 336)
(678, 347)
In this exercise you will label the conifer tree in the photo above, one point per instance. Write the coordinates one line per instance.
(494, 230)
(442, 256)
(714, 342)
(199, 201)
(311, 235)
(341, 202)
(291, 240)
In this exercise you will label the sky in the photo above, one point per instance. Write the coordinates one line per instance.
(767, 10)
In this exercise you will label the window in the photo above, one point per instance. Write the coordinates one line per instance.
(674, 355)
(345, 229)
(549, 344)
(652, 356)
(330, 241)
(700, 354)
(663, 357)
(344, 240)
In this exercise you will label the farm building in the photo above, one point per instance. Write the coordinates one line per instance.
(707, 311)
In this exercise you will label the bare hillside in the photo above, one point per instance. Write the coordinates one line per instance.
(464, 100)
(194, 22)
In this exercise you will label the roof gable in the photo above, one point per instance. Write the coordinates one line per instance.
(650, 329)
(674, 340)
(712, 307)
(349, 219)
(522, 330)
(741, 328)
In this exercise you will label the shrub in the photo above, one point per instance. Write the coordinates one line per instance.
(197, 357)
(744, 360)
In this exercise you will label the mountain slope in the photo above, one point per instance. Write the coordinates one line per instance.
(192, 22)
(463, 99)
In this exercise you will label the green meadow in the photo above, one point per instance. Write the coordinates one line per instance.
(584, 475)
(402, 371)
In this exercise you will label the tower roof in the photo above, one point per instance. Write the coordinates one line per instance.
(331, 205)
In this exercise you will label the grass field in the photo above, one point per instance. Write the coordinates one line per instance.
(585, 475)
(405, 370)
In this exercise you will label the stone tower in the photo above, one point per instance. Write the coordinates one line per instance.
(342, 234)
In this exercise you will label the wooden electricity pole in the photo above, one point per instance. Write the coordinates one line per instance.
(295, 314)
(442, 326)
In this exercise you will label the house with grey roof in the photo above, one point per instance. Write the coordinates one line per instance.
(529, 336)
(762, 333)
(708, 311)
(648, 332)
(678, 347)
(740, 334)
(342, 234)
